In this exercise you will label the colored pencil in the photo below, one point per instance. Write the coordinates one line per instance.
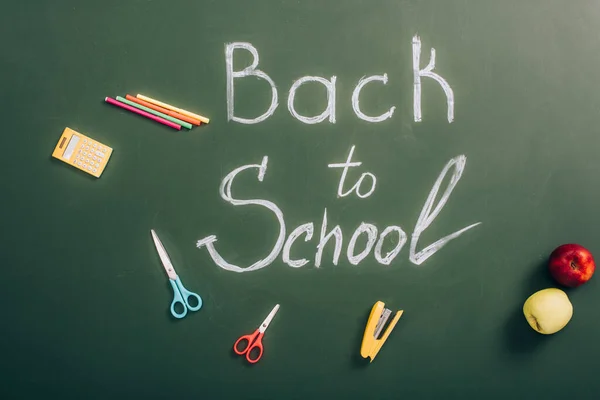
(163, 110)
(170, 107)
(154, 112)
(143, 113)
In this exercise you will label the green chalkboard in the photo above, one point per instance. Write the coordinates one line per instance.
(513, 140)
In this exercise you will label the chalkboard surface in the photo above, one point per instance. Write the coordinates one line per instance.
(505, 120)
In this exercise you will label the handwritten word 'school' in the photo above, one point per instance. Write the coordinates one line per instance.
(330, 86)
(375, 241)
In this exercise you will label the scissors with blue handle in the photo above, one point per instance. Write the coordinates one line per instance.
(180, 294)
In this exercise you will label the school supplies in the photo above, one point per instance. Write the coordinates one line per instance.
(82, 152)
(372, 341)
(181, 295)
(173, 114)
(173, 108)
(254, 340)
(154, 112)
(143, 113)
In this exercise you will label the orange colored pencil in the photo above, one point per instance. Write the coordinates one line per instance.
(173, 114)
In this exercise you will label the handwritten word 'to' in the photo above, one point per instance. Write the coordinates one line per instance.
(358, 184)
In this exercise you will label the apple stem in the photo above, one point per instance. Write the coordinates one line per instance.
(573, 265)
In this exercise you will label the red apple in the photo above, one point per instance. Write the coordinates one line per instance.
(571, 265)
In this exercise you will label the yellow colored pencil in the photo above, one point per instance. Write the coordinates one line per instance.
(173, 108)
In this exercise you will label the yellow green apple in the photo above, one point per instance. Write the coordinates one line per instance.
(548, 310)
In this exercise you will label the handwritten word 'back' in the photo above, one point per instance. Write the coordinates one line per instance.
(330, 85)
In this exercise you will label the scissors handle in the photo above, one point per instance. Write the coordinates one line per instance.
(254, 342)
(186, 296)
(181, 296)
(177, 299)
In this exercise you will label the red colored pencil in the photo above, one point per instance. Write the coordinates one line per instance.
(142, 112)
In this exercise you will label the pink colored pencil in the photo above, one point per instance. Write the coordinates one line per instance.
(142, 112)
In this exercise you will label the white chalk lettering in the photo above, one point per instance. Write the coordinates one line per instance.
(427, 216)
(225, 191)
(330, 85)
(427, 72)
(371, 231)
(356, 101)
(248, 71)
(358, 184)
(328, 112)
(389, 257)
(304, 228)
(335, 232)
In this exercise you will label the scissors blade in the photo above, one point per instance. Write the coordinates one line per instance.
(164, 257)
(267, 321)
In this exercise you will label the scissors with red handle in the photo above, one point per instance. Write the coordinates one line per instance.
(254, 340)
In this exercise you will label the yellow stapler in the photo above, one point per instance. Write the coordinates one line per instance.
(372, 341)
